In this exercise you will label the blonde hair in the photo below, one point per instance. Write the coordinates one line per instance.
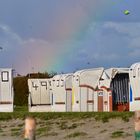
(137, 121)
(30, 126)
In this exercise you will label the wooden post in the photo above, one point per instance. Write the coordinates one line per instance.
(30, 126)
(137, 125)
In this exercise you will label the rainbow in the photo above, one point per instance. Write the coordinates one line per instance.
(77, 31)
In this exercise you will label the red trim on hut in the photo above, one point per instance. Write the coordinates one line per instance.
(87, 86)
(69, 89)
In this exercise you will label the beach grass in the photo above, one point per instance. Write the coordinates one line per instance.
(20, 112)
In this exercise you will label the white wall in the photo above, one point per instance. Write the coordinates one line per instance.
(134, 75)
(6, 90)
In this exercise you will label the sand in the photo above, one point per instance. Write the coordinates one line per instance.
(85, 129)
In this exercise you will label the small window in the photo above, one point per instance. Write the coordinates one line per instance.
(100, 94)
(5, 76)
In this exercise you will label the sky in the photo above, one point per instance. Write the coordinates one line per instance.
(68, 35)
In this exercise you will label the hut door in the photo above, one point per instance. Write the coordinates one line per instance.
(44, 95)
(83, 99)
(100, 101)
(69, 100)
(90, 100)
(120, 92)
(95, 105)
(5, 88)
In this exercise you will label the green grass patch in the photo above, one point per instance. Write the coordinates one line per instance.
(73, 126)
(125, 118)
(103, 131)
(20, 125)
(43, 130)
(117, 134)
(15, 129)
(15, 132)
(1, 130)
(76, 134)
(63, 125)
(21, 112)
(105, 116)
(21, 109)
(3, 134)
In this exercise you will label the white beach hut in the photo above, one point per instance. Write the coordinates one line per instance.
(84, 90)
(62, 93)
(39, 99)
(6, 90)
(115, 89)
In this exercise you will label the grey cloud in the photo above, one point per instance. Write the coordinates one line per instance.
(130, 28)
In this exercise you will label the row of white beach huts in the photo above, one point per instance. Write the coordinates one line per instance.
(96, 89)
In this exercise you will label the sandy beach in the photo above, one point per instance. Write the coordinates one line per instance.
(75, 129)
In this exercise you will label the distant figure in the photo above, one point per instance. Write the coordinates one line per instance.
(137, 125)
(30, 126)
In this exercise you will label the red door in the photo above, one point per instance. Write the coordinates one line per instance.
(100, 101)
